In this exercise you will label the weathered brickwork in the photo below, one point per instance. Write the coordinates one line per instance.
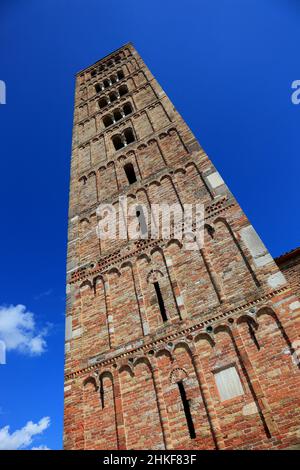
(221, 371)
(289, 263)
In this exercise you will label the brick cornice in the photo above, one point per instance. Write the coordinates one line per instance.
(164, 339)
(110, 260)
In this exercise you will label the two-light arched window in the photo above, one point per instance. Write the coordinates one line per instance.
(124, 139)
(117, 114)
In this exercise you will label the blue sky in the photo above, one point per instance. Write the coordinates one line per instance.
(227, 65)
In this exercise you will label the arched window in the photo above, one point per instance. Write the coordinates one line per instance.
(102, 102)
(93, 73)
(110, 63)
(123, 90)
(117, 59)
(127, 108)
(160, 301)
(117, 115)
(118, 142)
(126, 138)
(101, 68)
(130, 173)
(129, 136)
(107, 120)
(142, 220)
(113, 79)
(120, 74)
(106, 83)
(113, 96)
(97, 88)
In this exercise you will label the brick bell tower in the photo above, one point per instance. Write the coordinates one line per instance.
(168, 348)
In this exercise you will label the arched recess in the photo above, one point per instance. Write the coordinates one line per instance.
(98, 151)
(230, 264)
(141, 417)
(150, 158)
(173, 147)
(87, 320)
(194, 283)
(127, 320)
(274, 364)
(243, 410)
(98, 326)
(166, 285)
(107, 181)
(179, 368)
(191, 185)
(99, 421)
(89, 242)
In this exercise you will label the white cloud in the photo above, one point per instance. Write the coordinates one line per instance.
(19, 332)
(41, 447)
(22, 437)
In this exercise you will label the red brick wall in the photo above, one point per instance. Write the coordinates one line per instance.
(123, 362)
(290, 266)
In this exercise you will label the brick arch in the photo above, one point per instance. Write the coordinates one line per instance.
(142, 360)
(154, 275)
(229, 352)
(90, 380)
(100, 422)
(204, 337)
(123, 298)
(182, 263)
(174, 241)
(140, 408)
(232, 269)
(163, 351)
(183, 344)
(126, 368)
(86, 283)
(177, 374)
(98, 280)
(182, 360)
(144, 256)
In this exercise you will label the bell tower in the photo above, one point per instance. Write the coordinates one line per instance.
(167, 348)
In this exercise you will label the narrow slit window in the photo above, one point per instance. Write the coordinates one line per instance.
(228, 383)
(142, 220)
(130, 173)
(187, 410)
(101, 390)
(160, 301)
(252, 332)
